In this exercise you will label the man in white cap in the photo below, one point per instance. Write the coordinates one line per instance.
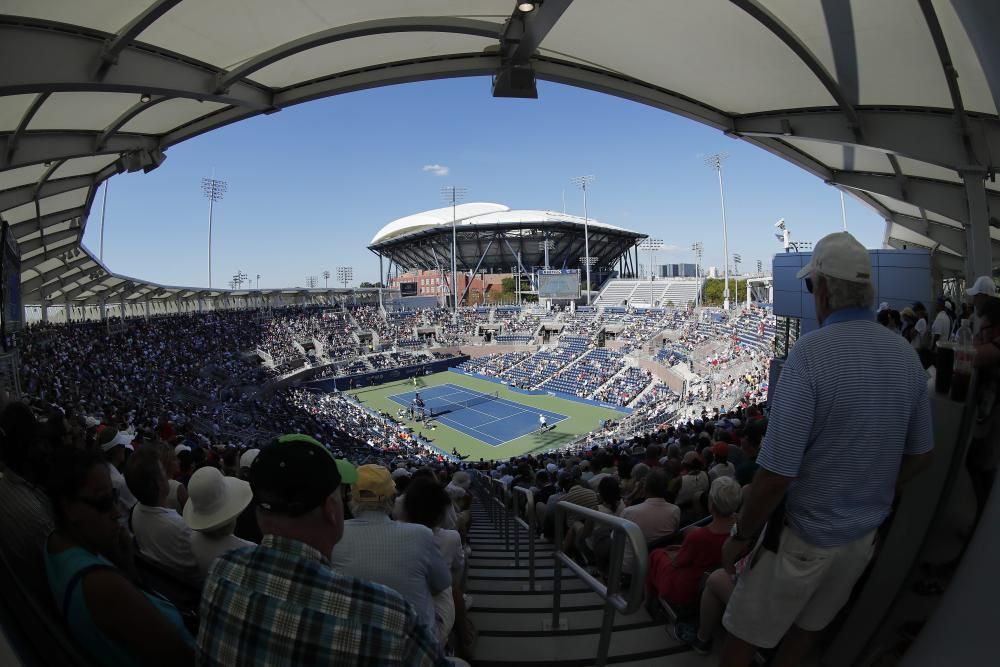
(981, 292)
(850, 423)
(214, 504)
(114, 445)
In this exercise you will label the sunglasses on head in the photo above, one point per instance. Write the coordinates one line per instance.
(102, 504)
(809, 285)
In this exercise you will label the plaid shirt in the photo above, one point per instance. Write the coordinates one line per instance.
(281, 604)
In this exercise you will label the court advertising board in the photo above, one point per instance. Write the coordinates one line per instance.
(559, 284)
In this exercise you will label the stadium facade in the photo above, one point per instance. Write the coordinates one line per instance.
(495, 239)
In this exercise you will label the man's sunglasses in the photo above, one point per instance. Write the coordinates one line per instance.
(809, 285)
(103, 504)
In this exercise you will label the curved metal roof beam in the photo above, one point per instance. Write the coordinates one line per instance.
(447, 24)
(950, 73)
(125, 117)
(13, 139)
(25, 194)
(45, 146)
(68, 66)
(125, 36)
(799, 48)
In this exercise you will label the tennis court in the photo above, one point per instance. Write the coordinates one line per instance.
(484, 416)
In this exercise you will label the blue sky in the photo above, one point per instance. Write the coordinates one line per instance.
(309, 186)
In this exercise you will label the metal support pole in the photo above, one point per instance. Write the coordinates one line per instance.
(978, 244)
(715, 161)
(104, 208)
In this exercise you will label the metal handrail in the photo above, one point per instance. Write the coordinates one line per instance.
(528, 523)
(622, 530)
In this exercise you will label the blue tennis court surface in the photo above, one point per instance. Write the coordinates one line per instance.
(490, 420)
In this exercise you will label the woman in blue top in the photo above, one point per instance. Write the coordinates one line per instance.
(115, 622)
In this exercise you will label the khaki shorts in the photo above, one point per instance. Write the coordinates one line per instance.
(802, 585)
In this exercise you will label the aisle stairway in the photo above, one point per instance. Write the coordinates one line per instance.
(514, 622)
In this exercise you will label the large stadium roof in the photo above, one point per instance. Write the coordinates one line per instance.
(475, 215)
(494, 237)
(894, 102)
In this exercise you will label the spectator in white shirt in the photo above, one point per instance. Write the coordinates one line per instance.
(114, 445)
(214, 504)
(160, 532)
(941, 328)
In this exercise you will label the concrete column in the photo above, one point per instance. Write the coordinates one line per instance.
(45, 310)
(69, 311)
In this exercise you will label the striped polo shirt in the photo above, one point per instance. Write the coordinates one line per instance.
(850, 402)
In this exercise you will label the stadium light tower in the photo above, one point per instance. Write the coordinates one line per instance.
(715, 162)
(453, 194)
(326, 279)
(583, 182)
(652, 245)
(214, 189)
(312, 282)
(737, 260)
(698, 249)
(345, 274)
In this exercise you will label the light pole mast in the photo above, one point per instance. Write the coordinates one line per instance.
(698, 250)
(652, 245)
(453, 194)
(715, 162)
(583, 182)
(213, 189)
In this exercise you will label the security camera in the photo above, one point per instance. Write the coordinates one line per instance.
(780, 224)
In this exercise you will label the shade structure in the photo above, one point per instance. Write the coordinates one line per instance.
(894, 102)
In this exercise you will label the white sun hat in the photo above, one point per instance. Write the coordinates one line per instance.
(214, 500)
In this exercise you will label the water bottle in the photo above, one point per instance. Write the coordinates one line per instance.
(964, 356)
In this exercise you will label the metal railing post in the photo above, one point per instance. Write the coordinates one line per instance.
(528, 523)
(560, 519)
(624, 533)
(614, 581)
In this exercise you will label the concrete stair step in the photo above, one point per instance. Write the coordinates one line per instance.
(532, 602)
(512, 573)
(575, 649)
(478, 585)
(507, 561)
(511, 624)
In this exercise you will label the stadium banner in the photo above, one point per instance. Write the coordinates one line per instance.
(381, 377)
(408, 289)
(559, 284)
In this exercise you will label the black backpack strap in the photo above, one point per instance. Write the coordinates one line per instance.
(74, 581)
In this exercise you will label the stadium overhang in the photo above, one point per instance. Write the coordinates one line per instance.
(494, 239)
(894, 103)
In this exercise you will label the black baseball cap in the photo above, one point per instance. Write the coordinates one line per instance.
(295, 473)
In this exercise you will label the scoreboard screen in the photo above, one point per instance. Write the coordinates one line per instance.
(559, 284)
(408, 289)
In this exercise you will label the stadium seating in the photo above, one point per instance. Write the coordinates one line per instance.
(583, 377)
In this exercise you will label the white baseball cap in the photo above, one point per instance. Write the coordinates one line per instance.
(983, 285)
(839, 255)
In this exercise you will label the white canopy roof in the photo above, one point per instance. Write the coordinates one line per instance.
(894, 102)
(481, 214)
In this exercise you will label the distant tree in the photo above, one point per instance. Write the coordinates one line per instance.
(670, 304)
(368, 284)
(712, 293)
(507, 285)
